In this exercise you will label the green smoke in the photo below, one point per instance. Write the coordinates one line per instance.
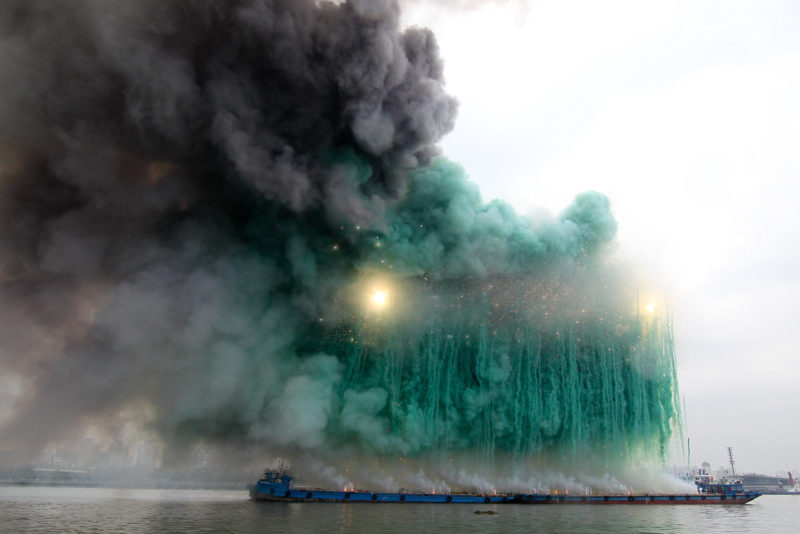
(497, 338)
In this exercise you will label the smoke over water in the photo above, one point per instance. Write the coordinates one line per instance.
(227, 223)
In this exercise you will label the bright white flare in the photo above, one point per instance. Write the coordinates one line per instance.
(379, 299)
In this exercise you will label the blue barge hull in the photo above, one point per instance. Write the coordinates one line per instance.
(276, 487)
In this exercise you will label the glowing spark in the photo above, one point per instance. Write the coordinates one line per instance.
(379, 298)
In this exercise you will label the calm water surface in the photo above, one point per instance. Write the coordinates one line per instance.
(44, 509)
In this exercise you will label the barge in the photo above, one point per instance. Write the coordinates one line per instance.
(277, 486)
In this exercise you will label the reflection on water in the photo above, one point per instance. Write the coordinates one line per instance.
(43, 509)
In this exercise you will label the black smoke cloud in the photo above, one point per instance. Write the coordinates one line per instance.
(185, 189)
(143, 142)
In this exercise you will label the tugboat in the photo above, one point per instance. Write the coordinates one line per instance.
(725, 489)
(277, 486)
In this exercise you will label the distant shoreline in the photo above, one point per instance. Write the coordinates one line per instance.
(110, 485)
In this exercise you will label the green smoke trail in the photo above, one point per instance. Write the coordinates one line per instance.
(572, 389)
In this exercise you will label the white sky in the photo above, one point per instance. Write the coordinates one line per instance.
(686, 115)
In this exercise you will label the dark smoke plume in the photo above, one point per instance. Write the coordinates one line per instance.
(165, 161)
(192, 194)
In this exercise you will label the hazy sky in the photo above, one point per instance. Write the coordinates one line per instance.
(686, 115)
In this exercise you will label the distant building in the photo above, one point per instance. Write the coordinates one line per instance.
(148, 454)
(764, 483)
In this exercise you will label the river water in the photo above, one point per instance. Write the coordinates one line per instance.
(57, 509)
